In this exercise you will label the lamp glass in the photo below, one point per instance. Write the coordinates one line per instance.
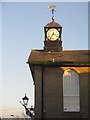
(25, 100)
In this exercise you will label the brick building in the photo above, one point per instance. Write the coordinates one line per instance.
(60, 77)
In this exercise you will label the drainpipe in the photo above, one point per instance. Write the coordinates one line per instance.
(42, 106)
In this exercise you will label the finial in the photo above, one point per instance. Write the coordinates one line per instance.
(52, 7)
(53, 18)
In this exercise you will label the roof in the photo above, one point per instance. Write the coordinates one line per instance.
(66, 57)
(53, 24)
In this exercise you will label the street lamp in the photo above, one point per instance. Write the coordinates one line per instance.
(32, 110)
(25, 100)
(12, 116)
(29, 111)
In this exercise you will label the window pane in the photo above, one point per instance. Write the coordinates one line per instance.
(71, 91)
(71, 103)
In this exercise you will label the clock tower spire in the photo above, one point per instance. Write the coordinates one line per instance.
(53, 32)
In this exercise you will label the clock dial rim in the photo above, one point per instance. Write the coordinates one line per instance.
(53, 34)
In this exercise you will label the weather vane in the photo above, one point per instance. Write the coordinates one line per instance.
(52, 7)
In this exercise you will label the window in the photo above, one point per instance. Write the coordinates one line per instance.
(71, 99)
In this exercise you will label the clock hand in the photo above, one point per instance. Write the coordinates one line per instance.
(52, 35)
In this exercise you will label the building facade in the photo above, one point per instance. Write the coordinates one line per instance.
(60, 77)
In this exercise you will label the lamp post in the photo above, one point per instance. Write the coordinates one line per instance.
(12, 116)
(29, 111)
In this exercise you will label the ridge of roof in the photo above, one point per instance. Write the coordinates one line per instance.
(60, 51)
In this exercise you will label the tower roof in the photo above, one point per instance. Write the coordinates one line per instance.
(53, 24)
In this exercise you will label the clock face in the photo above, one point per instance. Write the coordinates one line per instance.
(52, 34)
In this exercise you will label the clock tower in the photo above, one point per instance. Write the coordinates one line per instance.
(53, 32)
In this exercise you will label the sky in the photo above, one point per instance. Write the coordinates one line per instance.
(22, 31)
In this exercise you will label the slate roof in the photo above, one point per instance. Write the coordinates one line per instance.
(65, 56)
